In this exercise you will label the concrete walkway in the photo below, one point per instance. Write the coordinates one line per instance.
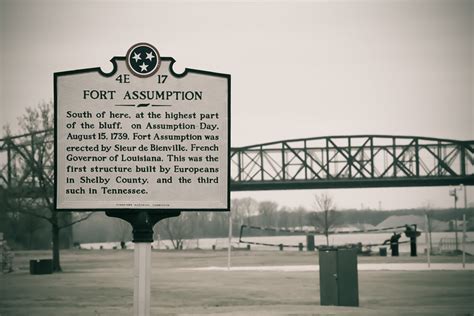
(361, 266)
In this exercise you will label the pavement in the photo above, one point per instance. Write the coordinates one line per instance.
(361, 267)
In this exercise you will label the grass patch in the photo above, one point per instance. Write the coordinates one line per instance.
(101, 283)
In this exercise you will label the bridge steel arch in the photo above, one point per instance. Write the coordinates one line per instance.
(362, 161)
(27, 164)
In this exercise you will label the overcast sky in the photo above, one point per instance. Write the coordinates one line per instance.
(299, 69)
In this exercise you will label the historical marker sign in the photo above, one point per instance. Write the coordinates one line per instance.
(142, 136)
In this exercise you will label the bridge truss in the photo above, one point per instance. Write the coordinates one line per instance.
(27, 163)
(353, 162)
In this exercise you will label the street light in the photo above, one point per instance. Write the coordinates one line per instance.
(454, 194)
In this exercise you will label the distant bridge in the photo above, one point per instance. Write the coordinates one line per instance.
(26, 161)
(311, 163)
(352, 162)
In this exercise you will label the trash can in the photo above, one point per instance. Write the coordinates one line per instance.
(309, 242)
(41, 266)
(383, 251)
(338, 280)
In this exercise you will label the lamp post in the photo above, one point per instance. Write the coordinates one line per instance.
(453, 193)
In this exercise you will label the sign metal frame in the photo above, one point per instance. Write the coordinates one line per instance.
(98, 70)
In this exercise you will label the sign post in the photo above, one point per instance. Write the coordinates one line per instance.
(142, 143)
(142, 275)
(142, 223)
(229, 249)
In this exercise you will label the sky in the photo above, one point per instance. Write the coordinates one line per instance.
(299, 68)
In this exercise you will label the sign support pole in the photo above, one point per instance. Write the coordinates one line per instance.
(141, 276)
(142, 223)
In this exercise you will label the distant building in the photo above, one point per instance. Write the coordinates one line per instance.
(419, 221)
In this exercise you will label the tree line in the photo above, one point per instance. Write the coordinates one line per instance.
(24, 231)
(250, 212)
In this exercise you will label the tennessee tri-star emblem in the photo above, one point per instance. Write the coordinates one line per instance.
(143, 60)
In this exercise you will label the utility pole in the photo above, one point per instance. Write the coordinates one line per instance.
(427, 240)
(464, 227)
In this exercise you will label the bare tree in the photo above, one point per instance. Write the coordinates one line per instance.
(268, 213)
(32, 224)
(284, 217)
(38, 160)
(178, 229)
(324, 217)
(301, 215)
(243, 209)
(123, 230)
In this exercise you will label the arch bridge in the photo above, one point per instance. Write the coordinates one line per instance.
(27, 163)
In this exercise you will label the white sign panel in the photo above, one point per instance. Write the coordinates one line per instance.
(142, 137)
